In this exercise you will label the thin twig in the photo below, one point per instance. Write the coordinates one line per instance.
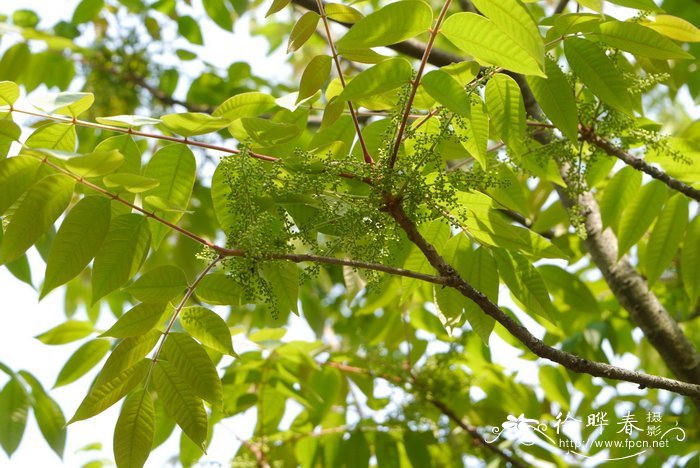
(416, 82)
(339, 69)
(640, 164)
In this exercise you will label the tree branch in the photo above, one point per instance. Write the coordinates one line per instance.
(537, 346)
(639, 164)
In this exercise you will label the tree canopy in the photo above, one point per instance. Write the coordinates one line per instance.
(478, 211)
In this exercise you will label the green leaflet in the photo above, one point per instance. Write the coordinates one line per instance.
(219, 12)
(133, 183)
(597, 71)
(421, 319)
(137, 321)
(180, 402)
(390, 24)
(489, 44)
(58, 136)
(315, 75)
(16, 176)
(343, 13)
(618, 194)
(14, 408)
(48, 414)
(666, 237)
(504, 102)
(135, 430)
(207, 327)
(71, 104)
(66, 332)
(525, 283)
(555, 96)
(436, 232)
(127, 353)
(194, 366)
(639, 215)
(86, 11)
(160, 284)
(9, 130)
(640, 40)
(250, 104)
(219, 289)
(645, 5)
(175, 168)
(189, 29)
(690, 260)
(77, 241)
(513, 18)
(120, 255)
(385, 76)
(276, 6)
(283, 278)
(554, 384)
(125, 145)
(476, 131)
(106, 393)
(447, 91)
(267, 133)
(9, 92)
(36, 213)
(673, 27)
(128, 121)
(303, 30)
(575, 293)
(190, 124)
(81, 361)
(95, 164)
(220, 193)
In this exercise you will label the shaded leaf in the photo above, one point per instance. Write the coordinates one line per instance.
(219, 289)
(135, 430)
(126, 354)
(556, 97)
(207, 327)
(77, 241)
(160, 284)
(302, 30)
(666, 237)
(504, 102)
(390, 24)
(690, 260)
(639, 215)
(137, 321)
(81, 361)
(16, 176)
(315, 75)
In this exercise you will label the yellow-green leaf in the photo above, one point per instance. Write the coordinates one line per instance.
(268, 133)
(219, 289)
(674, 27)
(160, 284)
(120, 255)
(42, 205)
(504, 102)
(283, 278)
(690, 260)
(77, 241)
(390, 24)
(207, 327)
(135, 430)
(475, 131)
(640, 40)
(81, 361)
(250, 104)
(666, 237)
(48, 414)
(447, 91)
(488, 43)
(128, 121)
(514, 19)
(618, 193)
(57, 136)
(137, 321)
(597, 71)
(16, 176)
(343, 13)
(133, 183)
(95, 164)
(190, 124)
(639, 215)
(72, 104)
(315, 75)
(385, 76)
(302, 30)
(127, 353)
(556, 97)
(104, 394)
(180, 402)
(71, 330)
(9, 92)
(14, 408)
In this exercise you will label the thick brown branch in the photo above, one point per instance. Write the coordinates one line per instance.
(640, 165)
(537, 346)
